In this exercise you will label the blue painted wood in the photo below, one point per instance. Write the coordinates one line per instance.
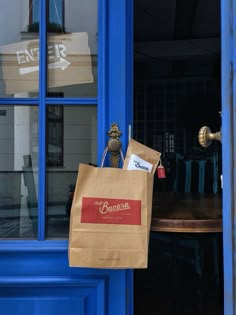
(103, 106)
(120, 66)
(228, 41)
(115, 69)
(45, 273)
(42, 121)
(35, 277)
(52, 296)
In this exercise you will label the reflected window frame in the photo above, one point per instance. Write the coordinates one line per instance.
(55, 132)
(56, 16)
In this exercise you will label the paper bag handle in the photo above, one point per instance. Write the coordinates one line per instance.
(105, 154)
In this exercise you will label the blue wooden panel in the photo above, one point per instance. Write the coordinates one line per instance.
(228, 14)
(115, 69)
(51, 296)
(39, 306)
(43, 267)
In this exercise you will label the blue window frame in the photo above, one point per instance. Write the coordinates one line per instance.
(35, 262)
(112, 103)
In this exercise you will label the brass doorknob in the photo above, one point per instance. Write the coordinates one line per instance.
(205, 136)
(114, 144)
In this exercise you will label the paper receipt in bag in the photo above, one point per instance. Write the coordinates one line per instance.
(110, 211)
(136, 163)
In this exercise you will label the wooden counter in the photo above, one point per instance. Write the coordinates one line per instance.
(187, 212)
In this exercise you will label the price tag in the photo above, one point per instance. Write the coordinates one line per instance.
(161, 173)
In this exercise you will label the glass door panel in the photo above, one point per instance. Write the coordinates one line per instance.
(19, 49)
(72, 48)
(71, 140)
(18, 172)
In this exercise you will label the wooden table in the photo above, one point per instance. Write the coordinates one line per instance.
(197, 218)
(186, 212)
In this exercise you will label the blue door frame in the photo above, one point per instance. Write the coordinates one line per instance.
(228, 41)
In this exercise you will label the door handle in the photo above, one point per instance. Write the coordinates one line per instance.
(114, 145)
(205, 136)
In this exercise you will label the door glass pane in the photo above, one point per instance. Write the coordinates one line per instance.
(19, 49)
(72, 48)
(18, 171)
(71, 139)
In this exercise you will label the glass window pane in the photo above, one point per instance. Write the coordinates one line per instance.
(19, 50)
(18, 171)
(72, 49)
(72, 139)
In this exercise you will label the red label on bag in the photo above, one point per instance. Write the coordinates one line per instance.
(111, 211)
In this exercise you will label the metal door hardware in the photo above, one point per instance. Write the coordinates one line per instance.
(205, 136)
(114, 145)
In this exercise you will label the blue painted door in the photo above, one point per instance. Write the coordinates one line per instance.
(228, 150)
(65, 77)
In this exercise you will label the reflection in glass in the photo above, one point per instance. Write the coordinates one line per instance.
(55, 136)
(72, 49)
(18, 171)
(55, 12)
(71, 139)
(19, 50)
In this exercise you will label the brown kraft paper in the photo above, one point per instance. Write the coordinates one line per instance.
(110, 218)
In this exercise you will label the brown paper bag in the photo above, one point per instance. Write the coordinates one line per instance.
(110, 218)
(141, 157)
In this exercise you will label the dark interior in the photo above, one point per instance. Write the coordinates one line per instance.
(177, 90)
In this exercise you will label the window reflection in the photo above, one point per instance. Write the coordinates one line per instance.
(55, 136)
(55, 12)
(19, 51)
(79, 145)
(72, 59)
(72, 48)
(18, 172)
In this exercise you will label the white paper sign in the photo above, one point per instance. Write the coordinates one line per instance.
(136, 163)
